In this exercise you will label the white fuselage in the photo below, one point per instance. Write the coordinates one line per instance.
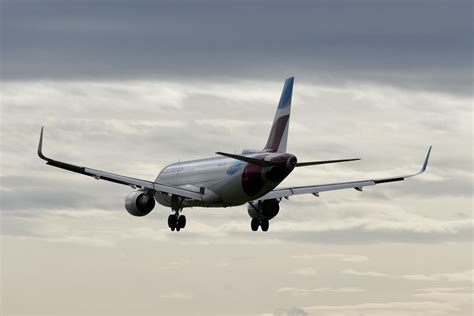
(221, 178)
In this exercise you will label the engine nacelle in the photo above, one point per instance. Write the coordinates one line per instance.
(267, 209)
(139, 203)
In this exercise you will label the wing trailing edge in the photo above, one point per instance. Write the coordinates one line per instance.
(116, 178)
(279, 193)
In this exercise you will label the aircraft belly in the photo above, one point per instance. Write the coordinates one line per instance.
(221, 189)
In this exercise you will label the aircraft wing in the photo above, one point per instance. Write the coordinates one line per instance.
(279, 193)
(116, 178)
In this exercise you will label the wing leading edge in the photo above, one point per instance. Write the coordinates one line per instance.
(358, 185)
(116, 178)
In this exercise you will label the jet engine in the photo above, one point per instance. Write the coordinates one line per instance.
(139, 203)
(267, 209)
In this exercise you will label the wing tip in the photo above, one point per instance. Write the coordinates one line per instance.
(40, 146)
(425, 163)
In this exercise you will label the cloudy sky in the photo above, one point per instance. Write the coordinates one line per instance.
(130, 87)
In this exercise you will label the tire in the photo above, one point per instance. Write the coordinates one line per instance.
(254, 224)
(172, 221)
(182, 221)
(264, 224)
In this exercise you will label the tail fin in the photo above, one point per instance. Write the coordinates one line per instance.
(278, 137)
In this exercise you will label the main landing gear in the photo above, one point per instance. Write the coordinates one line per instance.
(261, 212)
(262, 222)
(176, 221)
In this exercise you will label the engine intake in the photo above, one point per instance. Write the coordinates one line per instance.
(139, 203)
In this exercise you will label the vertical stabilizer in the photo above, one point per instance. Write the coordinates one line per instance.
(278, 137)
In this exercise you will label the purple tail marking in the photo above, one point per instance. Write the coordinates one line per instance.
(276, 133)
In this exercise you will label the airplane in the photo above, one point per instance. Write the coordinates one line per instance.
(250, 178)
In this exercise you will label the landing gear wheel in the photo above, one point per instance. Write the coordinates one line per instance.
(254, 224)
(172, 221)
(176, 222)
(264, 224)
(182, 221)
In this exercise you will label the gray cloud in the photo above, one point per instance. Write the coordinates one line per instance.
(136, 130)
(54, 222)
(416, 44)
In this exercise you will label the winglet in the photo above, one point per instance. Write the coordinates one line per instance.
(425, 164)
(40, 146)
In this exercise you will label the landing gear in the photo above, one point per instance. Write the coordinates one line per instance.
(176, 221)
(262, 222)
(261, 213)
(172, 222)
(254, 224)
(182, 221)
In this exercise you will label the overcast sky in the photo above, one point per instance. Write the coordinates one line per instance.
(130, 87)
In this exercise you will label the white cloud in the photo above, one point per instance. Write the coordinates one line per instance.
(137, 127)
(464, 276)
(91, 241)
(336, 256)
(304, 271)
(305, 292)
(177, 264)
(443, 289)
(177, 296)
(365, 273)
(419, 308)
(458, 295)
(87, 213)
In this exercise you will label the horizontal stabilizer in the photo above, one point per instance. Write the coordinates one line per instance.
(254, 161)
(322, 162)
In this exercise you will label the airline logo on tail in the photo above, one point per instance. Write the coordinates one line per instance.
(285, 99)
(277, 139)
